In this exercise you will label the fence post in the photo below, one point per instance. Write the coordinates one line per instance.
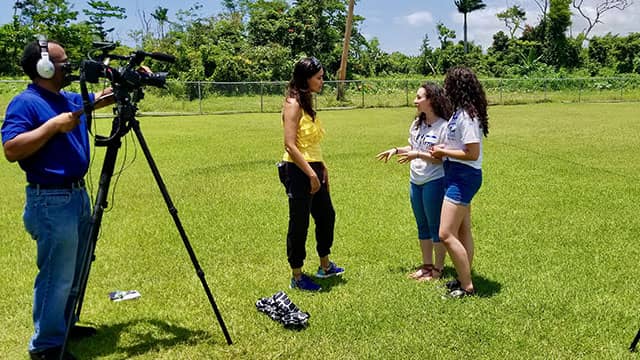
(261, 97)
(580, 91)
(500, 87)
(544, 83)
(621, 90)
(199, 97)
(362, 87)
(406, 91)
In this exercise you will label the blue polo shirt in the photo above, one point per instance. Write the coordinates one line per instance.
(65, 157)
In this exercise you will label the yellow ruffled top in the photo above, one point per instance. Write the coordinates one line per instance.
(308, 138)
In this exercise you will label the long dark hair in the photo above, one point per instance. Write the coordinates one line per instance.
(465, 92)
(299, 88)
(439, 103)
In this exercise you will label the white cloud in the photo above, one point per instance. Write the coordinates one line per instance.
(419, 18)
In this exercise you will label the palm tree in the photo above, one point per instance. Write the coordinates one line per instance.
(465, 7)
(161, 17)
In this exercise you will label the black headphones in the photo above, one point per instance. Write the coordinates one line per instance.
(45, 68)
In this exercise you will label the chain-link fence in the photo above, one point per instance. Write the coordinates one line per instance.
(205, 97)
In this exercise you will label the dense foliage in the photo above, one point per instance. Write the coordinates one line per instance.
(257, 40)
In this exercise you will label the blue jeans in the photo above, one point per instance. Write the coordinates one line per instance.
(59, 220)
(426, 202)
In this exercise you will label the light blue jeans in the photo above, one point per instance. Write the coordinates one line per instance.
(59, 220)
(426, 202)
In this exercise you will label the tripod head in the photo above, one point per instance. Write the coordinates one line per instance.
(126, 81)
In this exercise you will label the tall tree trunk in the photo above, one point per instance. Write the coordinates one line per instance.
(342, 73)
(466, 47)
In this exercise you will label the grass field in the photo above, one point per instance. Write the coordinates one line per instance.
(556, 228)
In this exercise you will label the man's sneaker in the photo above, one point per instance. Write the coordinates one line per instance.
(459, 293)
(80, 332)
(305, 283)
(51, 354)
(333, 270)
(452, 284)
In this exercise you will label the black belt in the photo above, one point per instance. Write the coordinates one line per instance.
(70, 185)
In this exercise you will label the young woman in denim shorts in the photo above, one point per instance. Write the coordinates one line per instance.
(462, 155)
(426, 186)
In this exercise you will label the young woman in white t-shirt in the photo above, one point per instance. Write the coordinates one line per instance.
(426, 185)
(462, 156)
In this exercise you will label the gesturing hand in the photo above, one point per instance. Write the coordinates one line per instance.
(408, 156)
(386, 155)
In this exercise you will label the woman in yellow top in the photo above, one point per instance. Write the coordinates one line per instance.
(305, 176)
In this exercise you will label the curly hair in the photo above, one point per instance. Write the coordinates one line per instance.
(298, 87)
(465, 92)
(439, 102)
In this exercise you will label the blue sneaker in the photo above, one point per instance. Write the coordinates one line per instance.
(305, 283)
(333, 270)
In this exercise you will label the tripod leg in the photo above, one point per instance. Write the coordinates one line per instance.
(174, 214)
(80, 284)
(634, 343)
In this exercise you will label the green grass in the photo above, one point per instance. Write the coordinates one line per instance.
(555, 225)
(267, 97)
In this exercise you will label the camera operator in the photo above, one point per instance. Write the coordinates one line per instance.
(45, 131)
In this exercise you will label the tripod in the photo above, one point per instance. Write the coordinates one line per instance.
(122, 123)
(632, 347)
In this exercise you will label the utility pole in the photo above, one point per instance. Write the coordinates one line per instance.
(342, 72)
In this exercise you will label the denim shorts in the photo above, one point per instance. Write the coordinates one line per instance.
(462, 182)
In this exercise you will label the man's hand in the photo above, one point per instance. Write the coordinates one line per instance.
(67, 121)
(104, 98)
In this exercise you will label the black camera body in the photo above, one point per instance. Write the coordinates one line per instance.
(127, 81)
(128, 76)
(91, 71)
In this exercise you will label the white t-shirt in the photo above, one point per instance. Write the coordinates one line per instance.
(462, 130)
(422, 139)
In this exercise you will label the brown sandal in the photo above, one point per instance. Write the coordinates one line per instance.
(423, 272)
(436, 273)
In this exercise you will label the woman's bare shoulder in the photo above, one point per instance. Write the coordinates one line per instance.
(291, 102)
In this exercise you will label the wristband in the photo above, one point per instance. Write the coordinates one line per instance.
(396, 149)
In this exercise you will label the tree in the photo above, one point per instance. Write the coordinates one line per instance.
(317, 28)
(160, 15)
(465, 7)
(543, 5)
(444, 34)
(342, 72)
(514, 18)
(600, 8)
(268, 23)
(426, 57)
(557, 50)
(100, 11)
(145, 22)
(48, 17)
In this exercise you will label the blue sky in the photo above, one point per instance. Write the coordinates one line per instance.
(399, 25)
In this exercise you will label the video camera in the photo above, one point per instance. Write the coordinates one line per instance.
(126, 81)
